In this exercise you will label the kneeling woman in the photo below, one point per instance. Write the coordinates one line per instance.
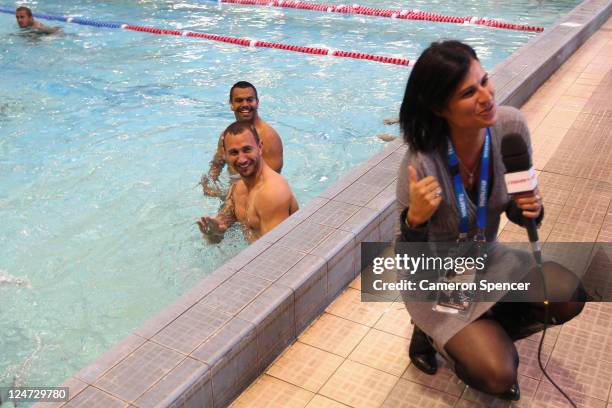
(450, 102)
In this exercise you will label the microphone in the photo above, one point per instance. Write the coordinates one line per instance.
(520, 177)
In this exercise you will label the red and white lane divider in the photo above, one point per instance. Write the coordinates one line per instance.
(264, 44)
(390, 13)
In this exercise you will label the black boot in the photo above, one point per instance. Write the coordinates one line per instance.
(421, 352)
(513, 394)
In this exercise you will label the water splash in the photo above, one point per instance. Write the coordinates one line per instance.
(7, 279)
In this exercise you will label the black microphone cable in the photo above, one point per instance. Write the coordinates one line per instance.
(538, 256)
(516, 158)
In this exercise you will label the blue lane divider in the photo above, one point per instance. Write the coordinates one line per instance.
(75, 20)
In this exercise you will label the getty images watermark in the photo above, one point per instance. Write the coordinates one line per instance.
(479, 272)
(460, 268)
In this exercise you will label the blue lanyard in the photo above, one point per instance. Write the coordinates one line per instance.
(460, 194)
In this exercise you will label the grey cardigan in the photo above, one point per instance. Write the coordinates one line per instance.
(444, 224)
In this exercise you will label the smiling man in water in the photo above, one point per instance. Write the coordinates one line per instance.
(260, 200)
(244, 102)
(25, 19)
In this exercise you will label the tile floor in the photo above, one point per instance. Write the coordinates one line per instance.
(355, 354)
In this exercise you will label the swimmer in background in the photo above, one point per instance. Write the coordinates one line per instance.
(26, 20)
(244, 103)
(260, 200)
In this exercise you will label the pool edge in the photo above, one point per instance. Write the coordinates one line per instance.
(246, 312)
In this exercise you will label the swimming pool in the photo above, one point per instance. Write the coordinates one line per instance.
(105, 134)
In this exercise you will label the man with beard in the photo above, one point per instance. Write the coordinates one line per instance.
(260, 200)
(244, 103)
(26, 20)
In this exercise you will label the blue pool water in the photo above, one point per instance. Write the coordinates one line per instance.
(104, 135)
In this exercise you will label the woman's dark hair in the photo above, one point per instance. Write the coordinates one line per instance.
(434, 77)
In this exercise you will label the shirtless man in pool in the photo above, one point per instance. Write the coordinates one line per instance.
(244, 102)
(26, 20)
(260, 200)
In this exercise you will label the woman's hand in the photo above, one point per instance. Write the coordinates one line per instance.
(530, 203)
(425, 197)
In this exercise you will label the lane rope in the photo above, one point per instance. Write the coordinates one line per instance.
(406, 14)
(245, 42)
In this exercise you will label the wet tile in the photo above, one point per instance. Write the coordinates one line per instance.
(305, 237)
(581, 90)
(281, 230)
(395, 320)
(383, 351)
(378, 176)
(270, 392)
(552, 333)
(359, 193)
(358, 385)
(182, 380)
(231, 354)
(247, 255)
(356, 283)
(364, 225)
(334, 213)
(192, 328)
(595, 316)
(548, 396)
(235, 293)
(75, 386)
(528, 357)
(308, 280)
(110, 358)
(393, 161)
(582, 374)
(305, 366)
(273, 263)
(334, 334)
(320, 401)
(407, 394)
(561, 117)
(273, 314)
(92, 397)
(384, 199)
(585, 341)
(129, 379)
(445, 379)
(349, 306)
(341, 253)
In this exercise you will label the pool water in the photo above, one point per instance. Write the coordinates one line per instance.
(104, 135)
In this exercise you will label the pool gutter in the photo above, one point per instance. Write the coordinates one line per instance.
(210, 344)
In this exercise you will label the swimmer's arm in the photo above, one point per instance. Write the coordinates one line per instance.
(273, 149)
(227, 215)
(218, 161)
(213, 228)
(274, 206)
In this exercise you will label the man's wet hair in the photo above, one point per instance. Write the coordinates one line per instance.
(26, 9)
(238, 127)
(242, 85)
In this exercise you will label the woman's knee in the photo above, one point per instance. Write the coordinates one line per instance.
(490, 378)
(562, 285)
(564, 312)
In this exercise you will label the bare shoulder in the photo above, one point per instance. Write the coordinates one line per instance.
(267, 131)
(239, 189)
(274, 192)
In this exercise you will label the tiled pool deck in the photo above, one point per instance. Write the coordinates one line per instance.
(217, 338)
(355, 354)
